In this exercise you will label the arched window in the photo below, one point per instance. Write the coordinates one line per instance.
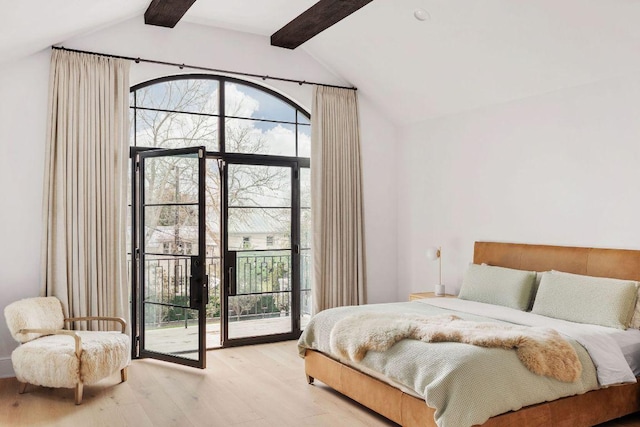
(223, 114)
(257, 206)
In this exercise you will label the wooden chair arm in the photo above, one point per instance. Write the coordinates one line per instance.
(120, 320)
(75, 336)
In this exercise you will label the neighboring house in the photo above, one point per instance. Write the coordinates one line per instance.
(252, 232)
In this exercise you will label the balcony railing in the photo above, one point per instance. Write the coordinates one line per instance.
(263, 288)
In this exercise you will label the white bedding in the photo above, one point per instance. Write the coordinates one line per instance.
(602, 343)
(465, 384)
(629, 343)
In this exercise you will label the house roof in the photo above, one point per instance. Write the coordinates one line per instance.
(247, 225)
(465, 55)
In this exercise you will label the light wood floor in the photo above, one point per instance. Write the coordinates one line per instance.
(253, 386)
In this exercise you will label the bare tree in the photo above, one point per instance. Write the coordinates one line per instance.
(178, 114)
(241, 303)
(184, 113)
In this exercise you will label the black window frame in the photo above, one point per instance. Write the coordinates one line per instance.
(234, 157)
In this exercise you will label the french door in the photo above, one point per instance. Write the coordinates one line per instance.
(169, 301)
(261, 256)
(216, 254)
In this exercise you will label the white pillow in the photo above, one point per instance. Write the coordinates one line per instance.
(498, 285)
(635, 319)
(586, 299)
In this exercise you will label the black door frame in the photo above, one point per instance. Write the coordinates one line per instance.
(198, 281)
(222, 154)
(294, 165)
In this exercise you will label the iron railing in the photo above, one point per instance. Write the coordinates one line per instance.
(263, 288)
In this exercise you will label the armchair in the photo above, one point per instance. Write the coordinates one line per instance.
(52, 356)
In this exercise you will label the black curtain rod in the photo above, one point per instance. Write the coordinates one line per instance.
(195, 67)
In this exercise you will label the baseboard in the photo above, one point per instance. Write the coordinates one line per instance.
(6, 368)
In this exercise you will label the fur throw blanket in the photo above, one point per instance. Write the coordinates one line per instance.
(542, 350)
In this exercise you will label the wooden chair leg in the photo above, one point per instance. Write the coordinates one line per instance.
(123, 374)
(22, 388)
(79, 393)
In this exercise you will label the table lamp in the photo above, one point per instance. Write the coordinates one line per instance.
(436, 254)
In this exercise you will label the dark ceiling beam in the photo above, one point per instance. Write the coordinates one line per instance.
(314, 20)
(166, 13)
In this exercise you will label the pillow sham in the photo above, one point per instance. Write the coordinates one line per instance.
(635, 319)
(498, 285)
(586, 299)
(534, 289)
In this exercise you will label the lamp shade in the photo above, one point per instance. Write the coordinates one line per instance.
(433, 253)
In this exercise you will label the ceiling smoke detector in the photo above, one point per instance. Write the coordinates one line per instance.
(421, 14)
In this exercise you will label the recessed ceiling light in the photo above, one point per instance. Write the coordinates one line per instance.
(421, 14)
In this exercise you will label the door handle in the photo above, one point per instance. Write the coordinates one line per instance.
(196, 280)
(232, 282)
(205, 289)
(231, 272)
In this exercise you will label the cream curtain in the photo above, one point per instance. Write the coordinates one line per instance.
(336, 207)
(84, 260)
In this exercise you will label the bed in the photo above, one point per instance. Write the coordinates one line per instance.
(404, 407)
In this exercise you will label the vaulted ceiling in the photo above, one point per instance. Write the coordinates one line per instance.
(465, 55)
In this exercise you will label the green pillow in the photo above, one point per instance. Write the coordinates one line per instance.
(498, 285)
(586, 299)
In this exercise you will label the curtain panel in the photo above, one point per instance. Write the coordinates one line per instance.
(84, 260)
(336, 207)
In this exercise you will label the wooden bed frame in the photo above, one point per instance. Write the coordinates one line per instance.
(587, 409)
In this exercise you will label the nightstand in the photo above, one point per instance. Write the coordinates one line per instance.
(420, 295)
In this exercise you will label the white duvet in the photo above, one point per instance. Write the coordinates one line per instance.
(466, 384)
(599, 341)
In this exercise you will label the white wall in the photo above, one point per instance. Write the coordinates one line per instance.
(23, 112)
(217, 48)
(561, 168)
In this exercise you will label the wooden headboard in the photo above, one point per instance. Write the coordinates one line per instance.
(616, 263)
